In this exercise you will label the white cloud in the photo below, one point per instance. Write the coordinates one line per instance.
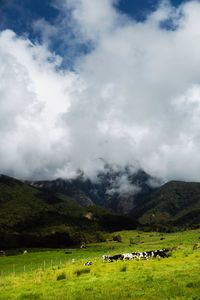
(94, 18)
(32, 96)
(134, 99)
(122, 186)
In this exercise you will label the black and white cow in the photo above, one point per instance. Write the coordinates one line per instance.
(106, 258)
(88, 263)
(116, 257)
(161, 253)
(112, 258)
(127, 256)
(134, 255)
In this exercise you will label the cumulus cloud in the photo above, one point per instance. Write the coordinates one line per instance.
(94, 18)
(134, 99)
(32, 96)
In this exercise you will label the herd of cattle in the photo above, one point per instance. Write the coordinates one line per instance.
(162, 253)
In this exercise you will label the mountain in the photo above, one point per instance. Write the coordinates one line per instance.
(173, 205)
(61, 212)
(176, 204)
(32, 217)
(116, 190)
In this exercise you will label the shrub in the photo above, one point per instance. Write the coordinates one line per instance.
(81, 271)
(61, 276)
(149, 278)
(30, 296)
(196, 246)
(117, 238)
(193, 284)
(132, 241)
(123, 269)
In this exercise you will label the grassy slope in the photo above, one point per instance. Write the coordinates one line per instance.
(31, 217)
(176, 203)
(25, 210)
(21, 205)
(176, 277)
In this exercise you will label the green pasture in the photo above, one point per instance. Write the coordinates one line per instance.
(60, 274)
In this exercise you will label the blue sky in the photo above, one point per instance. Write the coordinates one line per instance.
(138, 8)
(19, 16)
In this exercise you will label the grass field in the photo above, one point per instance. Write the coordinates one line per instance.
(52, 274)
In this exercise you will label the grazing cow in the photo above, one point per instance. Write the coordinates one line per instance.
(88, 263)
(110, 258)
(161, 253)
(116, 257)
(144, 255)
(127, 256)
(138, 255)
(157, 253)
(135, 255)
(106, 257)
(25, 252)
(150, 254)
(2, 253)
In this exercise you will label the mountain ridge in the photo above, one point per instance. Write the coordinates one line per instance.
(105, 190)
(61, 212)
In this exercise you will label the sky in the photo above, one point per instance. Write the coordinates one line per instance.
(84, 83)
